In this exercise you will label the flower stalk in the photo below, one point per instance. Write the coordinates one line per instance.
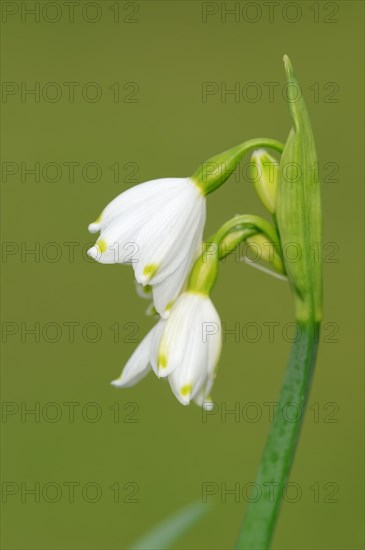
(259, 522)
(215, 171)
(299, 220)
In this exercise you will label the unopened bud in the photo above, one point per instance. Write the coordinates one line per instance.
(266, 250)
(264, 171)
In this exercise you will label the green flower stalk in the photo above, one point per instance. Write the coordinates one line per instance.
(299, 221)
(238, 229)
(216, 171)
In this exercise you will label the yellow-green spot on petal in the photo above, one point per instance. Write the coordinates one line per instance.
(199, 186)
(186, 390)
(162, 361)
(98, 219)
(169, 305)
(101, 245)
(150, 270)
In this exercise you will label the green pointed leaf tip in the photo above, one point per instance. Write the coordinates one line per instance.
(298, 207)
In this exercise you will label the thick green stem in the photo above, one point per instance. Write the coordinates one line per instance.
(259, 522)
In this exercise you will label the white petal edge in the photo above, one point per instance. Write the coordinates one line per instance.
(138, 365)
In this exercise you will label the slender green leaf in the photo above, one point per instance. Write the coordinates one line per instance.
(166, 533)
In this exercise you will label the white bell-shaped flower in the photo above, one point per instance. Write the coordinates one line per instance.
(185, 348)
(156, 227)
(190, 347)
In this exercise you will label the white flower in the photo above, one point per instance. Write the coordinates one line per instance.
(185, 348)
(156, 227)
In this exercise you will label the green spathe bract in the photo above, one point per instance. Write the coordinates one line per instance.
(298, 207)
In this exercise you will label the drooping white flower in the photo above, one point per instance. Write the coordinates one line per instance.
(190, 347)
(156, 227)
(185, 348)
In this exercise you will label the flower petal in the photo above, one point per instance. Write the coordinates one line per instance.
(132, 198)
(138, 365)
(183, 355)
(160, 327)
(165, 241)
(124, 218)
(167, 291)
(189, 349)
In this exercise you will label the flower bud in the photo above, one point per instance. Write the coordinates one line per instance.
(266, 250)
(264, 169)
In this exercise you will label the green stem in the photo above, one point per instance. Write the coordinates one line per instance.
(215, 171)
(260, 519)
(241, 228)
(204, 272)
(243, 222)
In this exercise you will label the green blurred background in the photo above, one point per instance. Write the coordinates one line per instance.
(157, 452)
